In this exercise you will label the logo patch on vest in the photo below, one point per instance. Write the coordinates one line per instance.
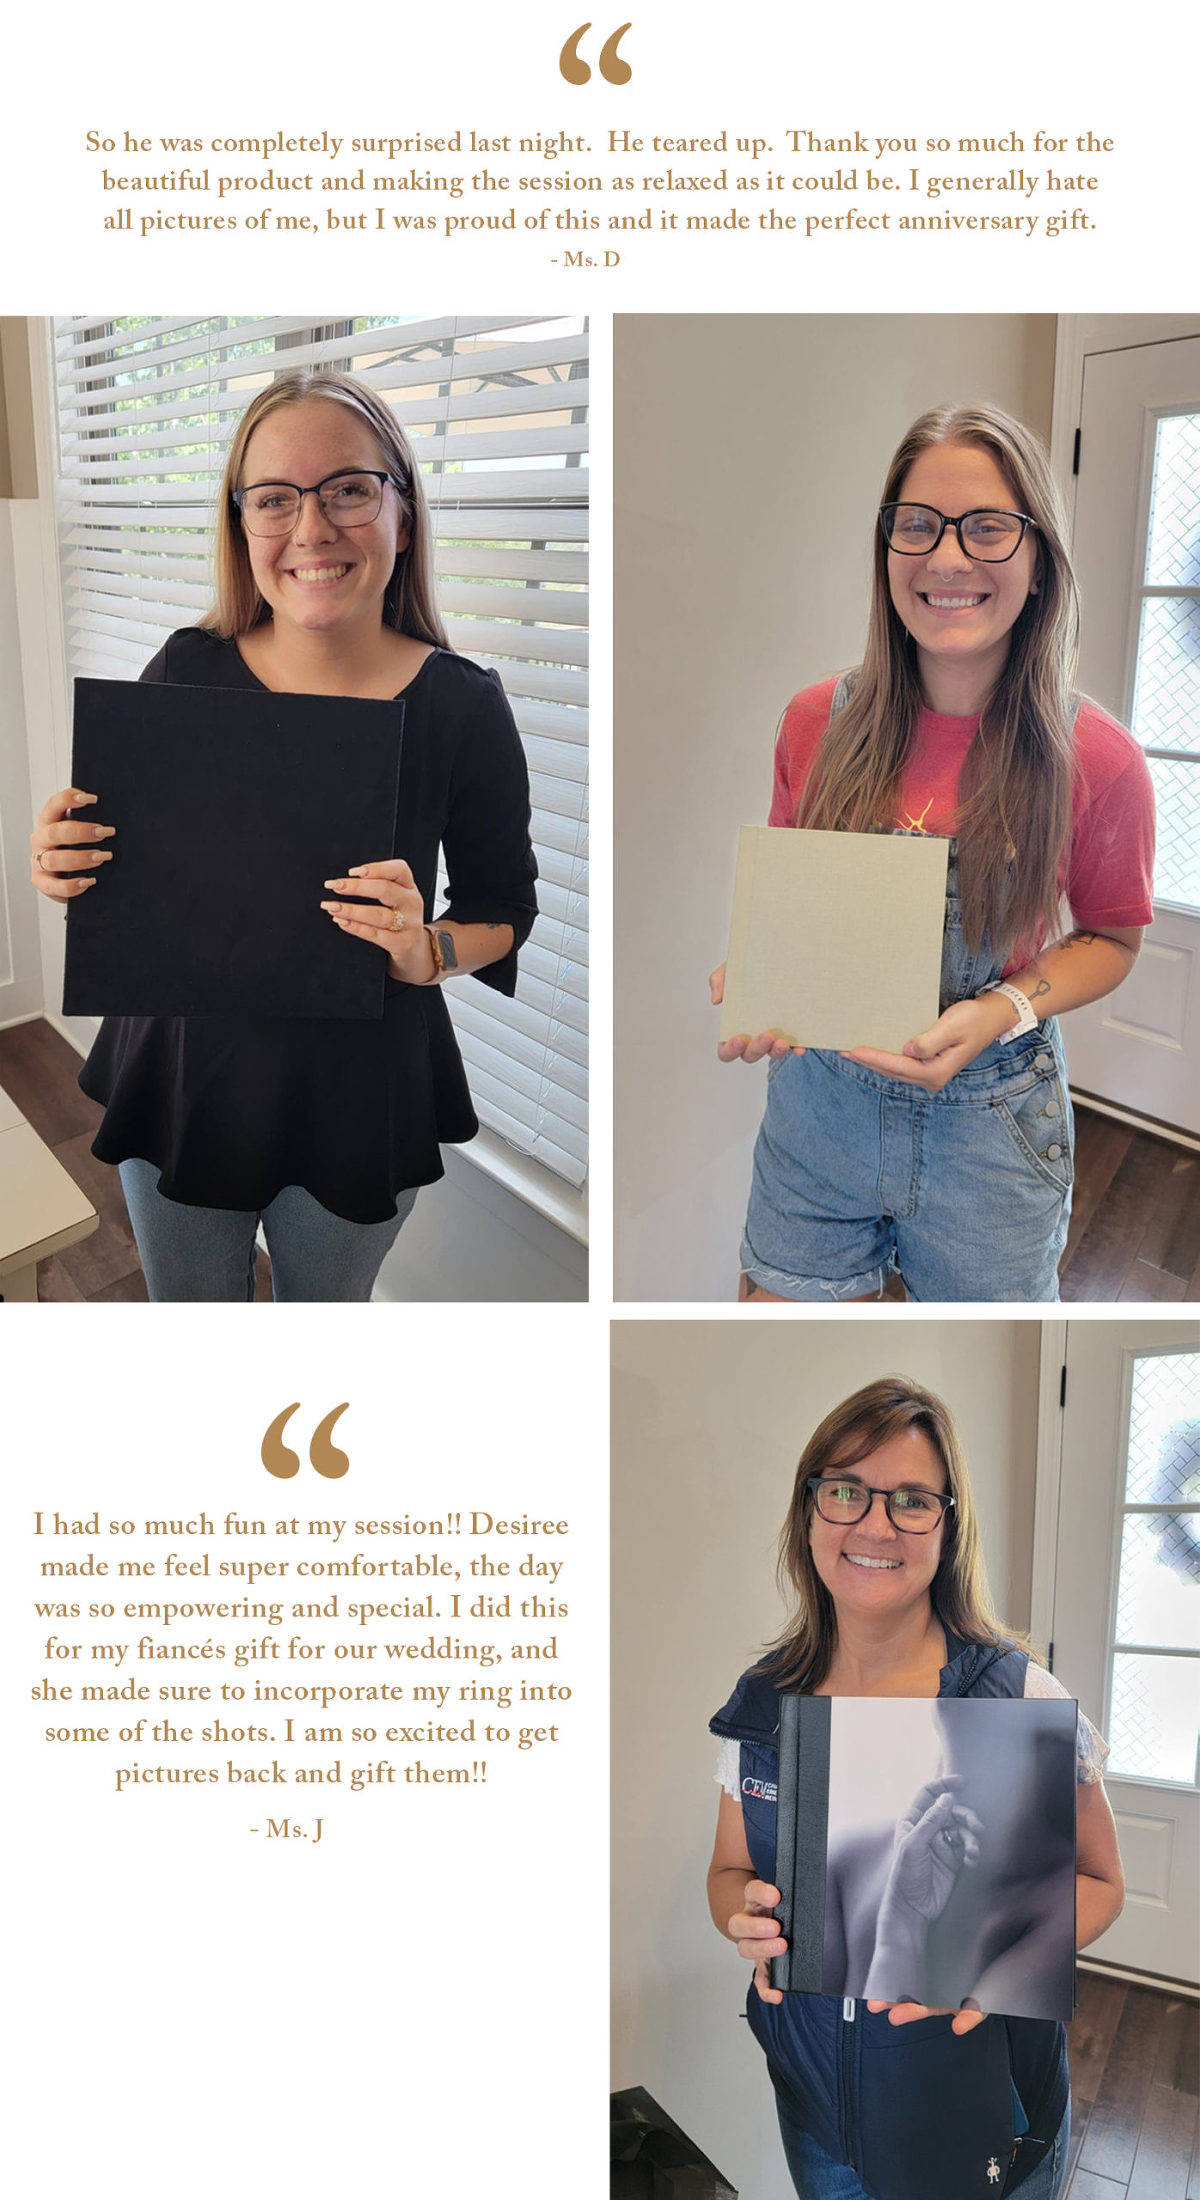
(993, 2171)
(763, 1791)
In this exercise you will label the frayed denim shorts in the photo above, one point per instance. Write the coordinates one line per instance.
(966, 1192)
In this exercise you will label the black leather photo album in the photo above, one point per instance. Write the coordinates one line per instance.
(231, 807)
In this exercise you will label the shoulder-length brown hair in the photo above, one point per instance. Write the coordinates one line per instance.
(1014, 808)
(959, 1594)
(409, 603)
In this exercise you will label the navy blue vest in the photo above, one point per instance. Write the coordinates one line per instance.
(917, 2112)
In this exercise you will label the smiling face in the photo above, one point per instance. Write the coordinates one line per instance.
(322, 578)
(960, 611)
(871, 1566)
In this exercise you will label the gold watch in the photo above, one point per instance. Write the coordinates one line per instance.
(442, 948)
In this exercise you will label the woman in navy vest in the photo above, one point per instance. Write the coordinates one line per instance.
(878, 2100)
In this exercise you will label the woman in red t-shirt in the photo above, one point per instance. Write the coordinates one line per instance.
(951, 1162)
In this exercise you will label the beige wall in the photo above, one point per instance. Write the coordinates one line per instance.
(708, 1421)
(749, 456)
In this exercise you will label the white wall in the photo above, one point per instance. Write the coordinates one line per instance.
(750, 450)
(709, 1419)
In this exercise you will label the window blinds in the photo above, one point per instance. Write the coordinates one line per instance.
(496, 409)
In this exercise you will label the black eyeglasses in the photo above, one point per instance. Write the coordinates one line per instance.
(347, 500)
(915, 530)
(841, 1499)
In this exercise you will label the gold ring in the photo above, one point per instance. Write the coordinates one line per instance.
(398, 921)
(37, 857)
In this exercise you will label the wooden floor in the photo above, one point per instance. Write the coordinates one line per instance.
(1135, 1220)
(1134, 2081)
(40, 1071)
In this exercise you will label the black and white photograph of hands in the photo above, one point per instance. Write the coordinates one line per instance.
(951, 1854)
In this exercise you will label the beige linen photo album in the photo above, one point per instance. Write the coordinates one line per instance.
(836, 938)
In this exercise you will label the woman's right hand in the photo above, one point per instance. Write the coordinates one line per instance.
(742, 1048)
(60, 844)
(757, 1934)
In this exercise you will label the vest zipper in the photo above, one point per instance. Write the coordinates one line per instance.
(850, 2123)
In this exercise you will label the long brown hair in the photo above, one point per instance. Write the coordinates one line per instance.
(409, 603)
(958, 1593)
(1014, 809)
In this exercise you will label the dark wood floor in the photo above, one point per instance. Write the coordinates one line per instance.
(1135, 1221)
(39, 1071)
(1134, 2086)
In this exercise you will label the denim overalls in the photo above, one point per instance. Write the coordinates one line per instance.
(966, 1191)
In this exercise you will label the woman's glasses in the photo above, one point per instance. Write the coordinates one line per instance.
(914, 530)
(841, 1500)
(348, 500)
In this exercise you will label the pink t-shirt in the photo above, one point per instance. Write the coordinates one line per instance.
(1110, 862)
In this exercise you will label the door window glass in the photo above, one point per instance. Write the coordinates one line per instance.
(1165, 713)
(1154, 1675)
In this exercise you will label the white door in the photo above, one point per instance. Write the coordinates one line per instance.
(1126, 1610)
(1137, 554)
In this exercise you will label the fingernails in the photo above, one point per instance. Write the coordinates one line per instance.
(332, 883)
(103, 832)
(76, 796)
(101, 855)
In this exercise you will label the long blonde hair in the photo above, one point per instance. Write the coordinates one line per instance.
(409, 603)
(1014, 807)
(803, 1652)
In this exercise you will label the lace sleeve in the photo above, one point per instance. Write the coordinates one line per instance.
(729, 1768)
(1091, 1749)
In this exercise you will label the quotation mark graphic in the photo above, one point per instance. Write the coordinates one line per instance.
(612, 68)
(280, 1460)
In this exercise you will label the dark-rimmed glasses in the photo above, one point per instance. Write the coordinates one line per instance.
(347, 499)
(841, 1499)
(915, 530)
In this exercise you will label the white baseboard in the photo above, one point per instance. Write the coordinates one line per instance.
(1176, 1986)
(1169, 1131)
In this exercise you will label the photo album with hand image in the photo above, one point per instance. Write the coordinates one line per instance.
(926, 1851)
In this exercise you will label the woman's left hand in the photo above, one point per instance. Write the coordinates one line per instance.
(910, 2012)
(395, 921)
(937, 1055)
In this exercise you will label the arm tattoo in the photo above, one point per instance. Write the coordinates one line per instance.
(1080, 939)
(1042, 986)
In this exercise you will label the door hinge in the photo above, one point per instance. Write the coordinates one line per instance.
(1062, 1386)
(1050, 1658)
(1075, 457)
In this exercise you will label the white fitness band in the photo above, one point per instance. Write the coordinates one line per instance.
(1027, 1017)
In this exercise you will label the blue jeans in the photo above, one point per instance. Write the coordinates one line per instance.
(208, 1253)
(816, 2176)
(966, 1191)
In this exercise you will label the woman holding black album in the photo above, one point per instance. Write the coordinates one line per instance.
(879, 2100)
(320, 1130)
